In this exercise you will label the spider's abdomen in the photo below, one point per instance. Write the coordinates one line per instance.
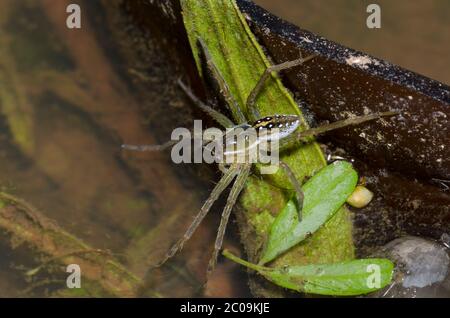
(286, 124)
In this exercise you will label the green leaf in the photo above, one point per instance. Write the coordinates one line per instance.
(348, 278)
(324, 194)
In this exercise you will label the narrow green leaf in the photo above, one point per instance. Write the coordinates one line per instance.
(324, 194)
(348, 278)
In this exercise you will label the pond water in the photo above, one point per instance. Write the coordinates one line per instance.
(68, 102)
(413, 34)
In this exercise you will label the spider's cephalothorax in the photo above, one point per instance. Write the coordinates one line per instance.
(281, 128)
(285, 125)
(244, 143)
(288, 123)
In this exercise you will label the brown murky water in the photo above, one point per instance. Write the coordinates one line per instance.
(413, 34)
(69, 98)
(68, 101)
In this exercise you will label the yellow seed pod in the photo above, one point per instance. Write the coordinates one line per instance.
(360, 197)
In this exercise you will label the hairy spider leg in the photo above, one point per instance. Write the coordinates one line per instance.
(215, 193)
(163, 146)
(303, 136)
(251, 99)
(217, 116)
(214, 114)
(160, 147)
(224, 89)
(238, 185)
(297, 188)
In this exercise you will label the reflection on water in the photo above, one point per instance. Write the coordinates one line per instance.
(413, 34)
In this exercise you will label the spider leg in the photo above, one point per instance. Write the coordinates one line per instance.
(297, 188)
(224, 89)
(303, 136)
(217, 116)
(251, 99)
(218, 189)
(163, 146)
(344, 123)
(232, 197)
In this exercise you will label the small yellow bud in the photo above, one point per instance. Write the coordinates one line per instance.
(360, 197)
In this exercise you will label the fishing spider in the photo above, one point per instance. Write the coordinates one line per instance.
(238, 171)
